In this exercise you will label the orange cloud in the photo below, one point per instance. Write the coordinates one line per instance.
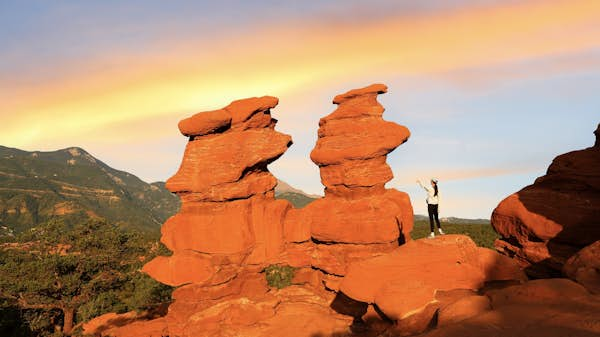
(182, 76)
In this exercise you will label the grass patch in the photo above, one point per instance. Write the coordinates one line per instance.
(483, 234)
(279, 276)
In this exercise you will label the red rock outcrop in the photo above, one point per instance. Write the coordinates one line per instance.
(229, 226)
(544, 224)
(228, 217)
(407, 283)
(358, 218)
(584, 267)
(546, 307)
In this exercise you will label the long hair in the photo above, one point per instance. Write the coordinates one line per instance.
(435, 189)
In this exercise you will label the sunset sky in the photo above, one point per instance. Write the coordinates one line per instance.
(492, 91)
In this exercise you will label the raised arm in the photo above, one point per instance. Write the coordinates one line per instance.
(424, 187)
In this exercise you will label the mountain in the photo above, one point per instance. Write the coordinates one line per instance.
(283, 187)
(72, 185)
(297, 197)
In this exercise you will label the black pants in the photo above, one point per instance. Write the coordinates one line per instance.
(433, 212)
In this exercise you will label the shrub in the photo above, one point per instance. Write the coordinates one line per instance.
(482, 234)
(279, 276)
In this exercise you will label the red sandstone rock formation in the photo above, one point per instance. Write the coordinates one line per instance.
(358, 218)
(544, 224)
(229, 226)
(547, 307)
(407, 283)
(228, 216)
(584, 267)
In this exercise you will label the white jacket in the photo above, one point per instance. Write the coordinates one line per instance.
(431, 198)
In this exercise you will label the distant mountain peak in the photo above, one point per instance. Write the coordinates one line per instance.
(283, 187)
(71, 184)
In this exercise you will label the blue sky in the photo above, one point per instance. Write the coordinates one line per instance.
(491, 91)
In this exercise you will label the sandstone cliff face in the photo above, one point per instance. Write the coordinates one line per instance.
(544, 224)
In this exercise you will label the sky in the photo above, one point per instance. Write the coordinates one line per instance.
(491, 91)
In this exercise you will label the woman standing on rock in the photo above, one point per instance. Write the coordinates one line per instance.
(433, 201)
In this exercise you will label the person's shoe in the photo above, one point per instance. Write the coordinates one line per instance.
(441, 231)
(431, 235)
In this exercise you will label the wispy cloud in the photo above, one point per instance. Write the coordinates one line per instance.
(453, 174)
(180, 77)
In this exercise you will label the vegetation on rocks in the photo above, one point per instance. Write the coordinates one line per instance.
(483, 233)
(279, 276)
(297, 199)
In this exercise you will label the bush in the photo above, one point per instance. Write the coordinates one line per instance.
(482, 234)
(279, 276)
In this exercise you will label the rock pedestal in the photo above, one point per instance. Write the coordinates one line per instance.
(229, 226)
(358, 218)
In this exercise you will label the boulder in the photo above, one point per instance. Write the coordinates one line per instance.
(410, 284)
(204, 123)
(545, 307)
(584, 267)
(546, 223)
(462, 309)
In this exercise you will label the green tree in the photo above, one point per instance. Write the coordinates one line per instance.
(86, 270)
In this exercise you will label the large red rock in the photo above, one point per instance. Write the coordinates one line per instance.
(547, 307)
(148, 323)
(229, 226)
(358, 218)
(444, 263)
(351, 139)
(377, 219)
(211, 227)
(243, 109)
(335, 259)
(584, 267)
(183, 267)
(204, 123)
(462, 309)
(218, 159)
(544, 224)
(405, 284)
(367, 173)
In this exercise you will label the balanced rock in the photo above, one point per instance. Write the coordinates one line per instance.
(546, 223)
(229, 218)
(358, 218)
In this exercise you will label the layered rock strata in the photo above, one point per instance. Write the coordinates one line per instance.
(546, 223)
(546, 307)
(228, 217)
(358, 218)
(230, 226)
(410, 284)
(584, 267)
